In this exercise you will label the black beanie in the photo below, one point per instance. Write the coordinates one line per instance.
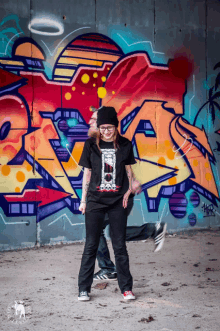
(107, 115)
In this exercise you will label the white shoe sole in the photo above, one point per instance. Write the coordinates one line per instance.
(83, 299)
(131, 298)
(105, 279)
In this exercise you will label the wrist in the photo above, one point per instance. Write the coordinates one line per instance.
(82, 201)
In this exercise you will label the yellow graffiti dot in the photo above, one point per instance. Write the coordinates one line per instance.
(29, 167)
(83, 93)
(172, 181)
(162, 161)
(176, 167)
(101, 92)
(94, 85)
(20, 176)
(113, 92)
(17, 189)
(195, 163)
(108, 68)
(184, 164)
(208, 176)
(206, 165)
(68, 96)
(95, 75)
(167, 143)
(6, 170)
(103, 78)
(85, 78)
(170, 154)
(73, 88)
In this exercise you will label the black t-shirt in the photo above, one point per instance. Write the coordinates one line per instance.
(109, 181)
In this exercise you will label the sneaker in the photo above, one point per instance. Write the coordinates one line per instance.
(105, 275)
(128, 295)
(83, 296)
(159, 236)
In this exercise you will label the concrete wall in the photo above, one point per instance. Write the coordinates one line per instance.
(154, 62)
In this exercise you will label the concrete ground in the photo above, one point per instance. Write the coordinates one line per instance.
(176, 289)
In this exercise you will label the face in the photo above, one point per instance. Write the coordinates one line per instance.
(107, 131)
(93, 127)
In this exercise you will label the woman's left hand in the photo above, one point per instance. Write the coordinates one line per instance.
(136, 186)
(125, 198)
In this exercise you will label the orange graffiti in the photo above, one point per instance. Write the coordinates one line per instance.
(20, 176)
(6, 170)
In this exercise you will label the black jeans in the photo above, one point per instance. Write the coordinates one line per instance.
(133, 233)
(103, 255)
(94, 225)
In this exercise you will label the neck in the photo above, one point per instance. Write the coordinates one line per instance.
(107, 140)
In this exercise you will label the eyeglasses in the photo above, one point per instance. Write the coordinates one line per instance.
(108, 128)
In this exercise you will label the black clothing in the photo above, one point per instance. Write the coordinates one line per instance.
(94, 224)
(103, 255)
(109, 181)
(108, 184)
(146, 230)
(133, 233)
(107, 115)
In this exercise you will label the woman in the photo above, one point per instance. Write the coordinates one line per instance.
(106, 189)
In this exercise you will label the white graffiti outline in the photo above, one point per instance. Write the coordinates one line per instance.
(85, 27)
(46, 22)
(141, 209)
(8, 223)
(10, 41)
(167, 212)
(72, 224)
(175, 151)
(190, 101)
(73, 158)
(140, 42)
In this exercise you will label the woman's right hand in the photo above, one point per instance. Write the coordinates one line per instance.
(82, 207)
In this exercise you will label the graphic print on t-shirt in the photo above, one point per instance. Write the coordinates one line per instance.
(108, 175)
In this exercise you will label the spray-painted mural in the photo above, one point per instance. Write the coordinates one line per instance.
(44, 118)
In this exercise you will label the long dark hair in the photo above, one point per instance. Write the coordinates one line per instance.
(115, 139)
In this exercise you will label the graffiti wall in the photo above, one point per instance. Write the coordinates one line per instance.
(52, 72)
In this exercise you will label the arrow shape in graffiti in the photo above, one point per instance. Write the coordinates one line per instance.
(43, 196)
(196, 133)
(150, 173)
